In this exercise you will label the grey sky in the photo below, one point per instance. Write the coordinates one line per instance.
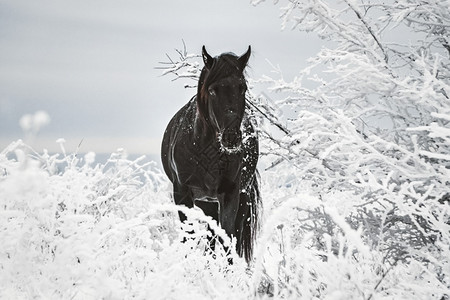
(91, 64)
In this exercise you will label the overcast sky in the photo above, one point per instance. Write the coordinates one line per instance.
(92, 64)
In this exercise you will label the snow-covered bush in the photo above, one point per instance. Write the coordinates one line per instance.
(74, 229)
(368, 132)
(357, 150)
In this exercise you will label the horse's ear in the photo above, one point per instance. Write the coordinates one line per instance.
(207, 59)
(244, 58)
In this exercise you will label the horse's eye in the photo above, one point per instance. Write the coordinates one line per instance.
(212, 92)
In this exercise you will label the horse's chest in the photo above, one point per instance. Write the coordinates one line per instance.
(206, 168)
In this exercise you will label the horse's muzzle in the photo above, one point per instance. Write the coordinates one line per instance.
(230, 141)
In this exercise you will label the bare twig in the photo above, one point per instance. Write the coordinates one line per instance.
(369, 29)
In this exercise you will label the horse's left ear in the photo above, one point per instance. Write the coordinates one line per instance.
(244, 58)
(207, 59)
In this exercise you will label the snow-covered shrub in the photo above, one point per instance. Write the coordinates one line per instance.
(357, 149)
(370, 132)
(74, 229)
(319, 245)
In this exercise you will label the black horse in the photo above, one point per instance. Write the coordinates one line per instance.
(210, 150)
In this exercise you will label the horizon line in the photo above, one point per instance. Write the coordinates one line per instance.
(98, 144)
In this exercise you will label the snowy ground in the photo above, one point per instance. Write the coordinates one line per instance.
(74, 229)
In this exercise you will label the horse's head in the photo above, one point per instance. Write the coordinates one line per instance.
(221, 97)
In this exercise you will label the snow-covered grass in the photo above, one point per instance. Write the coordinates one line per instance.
(74, 229)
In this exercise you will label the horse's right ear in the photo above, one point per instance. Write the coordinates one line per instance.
(243, 60)
(207, 59)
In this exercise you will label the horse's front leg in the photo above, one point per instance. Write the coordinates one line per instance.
(182, 196)
(228, 212)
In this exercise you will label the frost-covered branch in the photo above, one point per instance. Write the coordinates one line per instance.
(364, 128)
(184, 67)
(373, 128)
